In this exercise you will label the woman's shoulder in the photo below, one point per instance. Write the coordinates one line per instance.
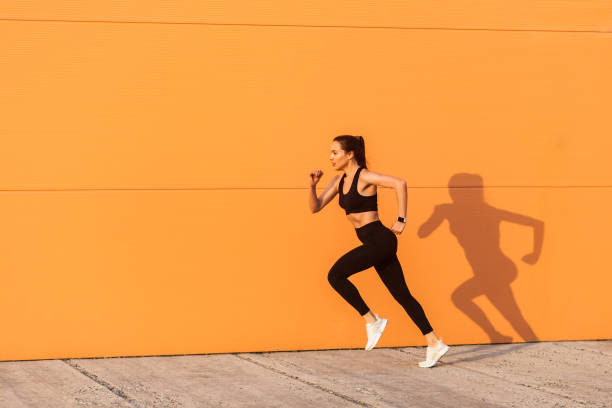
(368, 175)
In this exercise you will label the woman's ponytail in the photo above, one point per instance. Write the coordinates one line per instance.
(360, 152)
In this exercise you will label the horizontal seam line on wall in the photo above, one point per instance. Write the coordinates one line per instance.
(308, 26)
(270, 188)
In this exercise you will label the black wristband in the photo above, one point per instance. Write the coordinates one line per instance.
(401, 219)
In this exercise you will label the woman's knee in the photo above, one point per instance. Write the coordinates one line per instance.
(333, 276)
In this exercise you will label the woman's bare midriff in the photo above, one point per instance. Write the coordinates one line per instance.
(360, 219)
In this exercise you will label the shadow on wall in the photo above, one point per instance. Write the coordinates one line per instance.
(476, 226)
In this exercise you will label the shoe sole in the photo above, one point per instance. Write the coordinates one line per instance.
(429, 364)
(384, 324)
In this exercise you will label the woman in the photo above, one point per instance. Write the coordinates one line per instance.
(379, 243)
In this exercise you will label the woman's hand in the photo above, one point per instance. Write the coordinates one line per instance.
(398, 227)
(315, 176)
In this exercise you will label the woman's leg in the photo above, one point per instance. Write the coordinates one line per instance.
(391, 274)
(356, 260)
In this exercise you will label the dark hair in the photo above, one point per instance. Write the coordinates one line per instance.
(353, 144)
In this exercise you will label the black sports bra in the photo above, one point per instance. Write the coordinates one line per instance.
(353, 202)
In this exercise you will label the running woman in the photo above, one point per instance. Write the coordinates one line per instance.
(357, 196)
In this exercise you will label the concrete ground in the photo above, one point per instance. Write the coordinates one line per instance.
(561, 374)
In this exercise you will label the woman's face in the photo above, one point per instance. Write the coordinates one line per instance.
(338, 157)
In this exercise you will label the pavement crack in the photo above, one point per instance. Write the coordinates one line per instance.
(309, 383)
(103, 383)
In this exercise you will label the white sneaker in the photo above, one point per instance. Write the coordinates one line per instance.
(434, 354)
(375, 331)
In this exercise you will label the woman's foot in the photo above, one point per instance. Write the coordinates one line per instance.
(374, 331)
(434, 353)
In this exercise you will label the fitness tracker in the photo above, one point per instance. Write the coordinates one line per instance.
(401, 219)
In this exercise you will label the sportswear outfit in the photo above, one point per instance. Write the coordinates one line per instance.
(378, 250)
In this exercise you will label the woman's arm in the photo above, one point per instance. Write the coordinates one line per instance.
(401, 192)
(317, 203)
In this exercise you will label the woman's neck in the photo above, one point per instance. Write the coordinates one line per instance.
(351, 169)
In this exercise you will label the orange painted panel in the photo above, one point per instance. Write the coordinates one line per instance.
(236, 116)
(169, 106)
(519, 14)
(148, 273)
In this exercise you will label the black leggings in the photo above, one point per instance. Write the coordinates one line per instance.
(378, 250)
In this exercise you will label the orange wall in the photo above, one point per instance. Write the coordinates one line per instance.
(153, 174)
